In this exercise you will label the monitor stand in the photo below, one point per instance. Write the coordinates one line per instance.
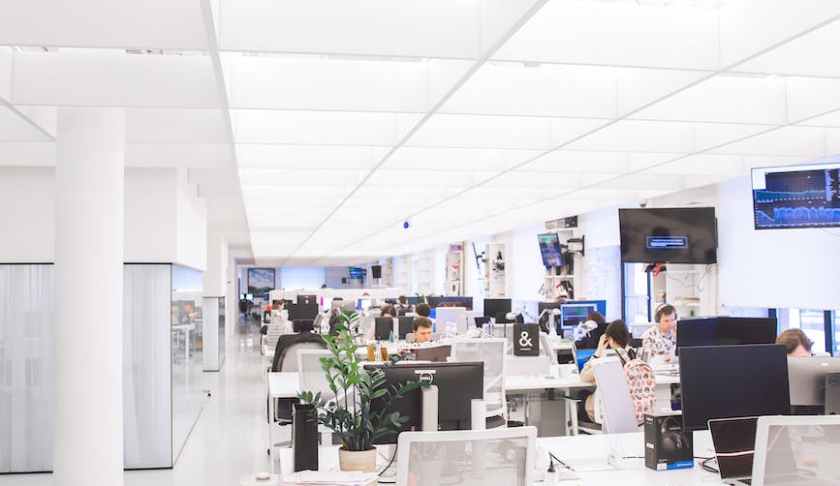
(429, 403)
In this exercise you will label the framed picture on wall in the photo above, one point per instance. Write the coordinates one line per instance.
(260, 281)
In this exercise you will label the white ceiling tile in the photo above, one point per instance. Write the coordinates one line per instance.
(169, 126)
(323, 83)
(617, 33)
(174, 24)
(570, 161)
(725, 98)
(308, 156)
(300, 177)
(806, 142)
(443, 159)
(114, 78)
(13, 128)
(320, 128)
(499, 131)
(671, 137)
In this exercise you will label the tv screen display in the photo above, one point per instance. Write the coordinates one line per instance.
(552, 253)
(357, 273)
(804, 196)
(671, 235)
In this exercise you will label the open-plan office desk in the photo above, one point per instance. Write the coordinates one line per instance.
(587, 454)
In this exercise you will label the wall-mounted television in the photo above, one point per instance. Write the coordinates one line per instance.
(357, 273)
(803, 196)
(671, 235)
(550, 250)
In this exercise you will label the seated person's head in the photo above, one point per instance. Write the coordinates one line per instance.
(422, 310)
(796, 343)
(388, 311)
(666, 318)
(422, 330)
(596, 317)
(403, 300)
(617, 335)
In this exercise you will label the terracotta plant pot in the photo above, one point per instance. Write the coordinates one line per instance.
(364, 461)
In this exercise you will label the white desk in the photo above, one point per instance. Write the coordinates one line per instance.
(587, 452)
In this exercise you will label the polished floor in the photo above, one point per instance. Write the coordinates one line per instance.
(229, 439)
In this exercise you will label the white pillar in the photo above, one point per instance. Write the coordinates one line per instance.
(89, 239)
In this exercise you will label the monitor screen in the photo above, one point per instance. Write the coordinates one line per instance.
(734, 441)
(458, 384)
(497, 309)
(357, 273)
(726, 331)
(573, 314)
(550, 250)
(804, 196)
(673, 235)
(733, 381)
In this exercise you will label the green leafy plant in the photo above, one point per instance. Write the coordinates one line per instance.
(349, 414)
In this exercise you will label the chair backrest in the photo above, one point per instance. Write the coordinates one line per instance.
(498, 457)
(617, 408)
(492, 352)
(311, 373)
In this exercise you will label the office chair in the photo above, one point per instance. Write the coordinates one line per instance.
(499, 457)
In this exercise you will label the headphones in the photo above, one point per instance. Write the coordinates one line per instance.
(664, 309)
(673, 441)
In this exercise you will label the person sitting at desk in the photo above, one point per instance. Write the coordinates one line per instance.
(388, 311)
(423, 310)
(616, 337)
(402, 305)
(422, 330)
(796, 342)
(660, 341)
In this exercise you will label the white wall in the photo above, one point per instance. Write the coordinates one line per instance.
(216, 275)
(302, 277)
(27, 214)
(160, 226)
(773, 268)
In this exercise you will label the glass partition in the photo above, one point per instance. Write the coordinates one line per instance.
(187, 337)
(27, 386)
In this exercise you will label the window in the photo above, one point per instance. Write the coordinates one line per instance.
(836, 333)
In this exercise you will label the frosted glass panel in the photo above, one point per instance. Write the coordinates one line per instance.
(26, 367)
(147, 367)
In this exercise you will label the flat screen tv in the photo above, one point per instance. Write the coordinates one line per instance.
(803, 196)
(670, 235)
(357, 273)
(550, 250)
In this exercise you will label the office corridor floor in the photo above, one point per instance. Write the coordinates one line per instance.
(229, 439)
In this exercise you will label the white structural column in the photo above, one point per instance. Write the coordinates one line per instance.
(89, 239)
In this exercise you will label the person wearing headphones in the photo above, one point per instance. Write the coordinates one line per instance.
(659, 342)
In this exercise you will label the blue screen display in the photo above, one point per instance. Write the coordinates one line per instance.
(797, 197)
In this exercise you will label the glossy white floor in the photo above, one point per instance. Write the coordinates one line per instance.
(228, 441)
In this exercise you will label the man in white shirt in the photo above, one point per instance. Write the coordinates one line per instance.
(659, 343)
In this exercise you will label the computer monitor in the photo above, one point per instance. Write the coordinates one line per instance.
(363, 304)
(454, 301)
(458, 384)
(435, 354)
(726, 331)
(307, 299)
(733, 381)
(302, 311)
(383, 328)
(405, 326)
(303, 325)
(573, 314)
(413, 300)
(807, 378)
(480, 321)
(497, 309)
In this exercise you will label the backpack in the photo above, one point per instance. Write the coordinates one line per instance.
(642, 384)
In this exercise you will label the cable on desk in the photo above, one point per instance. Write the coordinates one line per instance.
(393, 456)
(558, 461)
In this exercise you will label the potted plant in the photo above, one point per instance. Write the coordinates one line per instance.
(349, 414)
